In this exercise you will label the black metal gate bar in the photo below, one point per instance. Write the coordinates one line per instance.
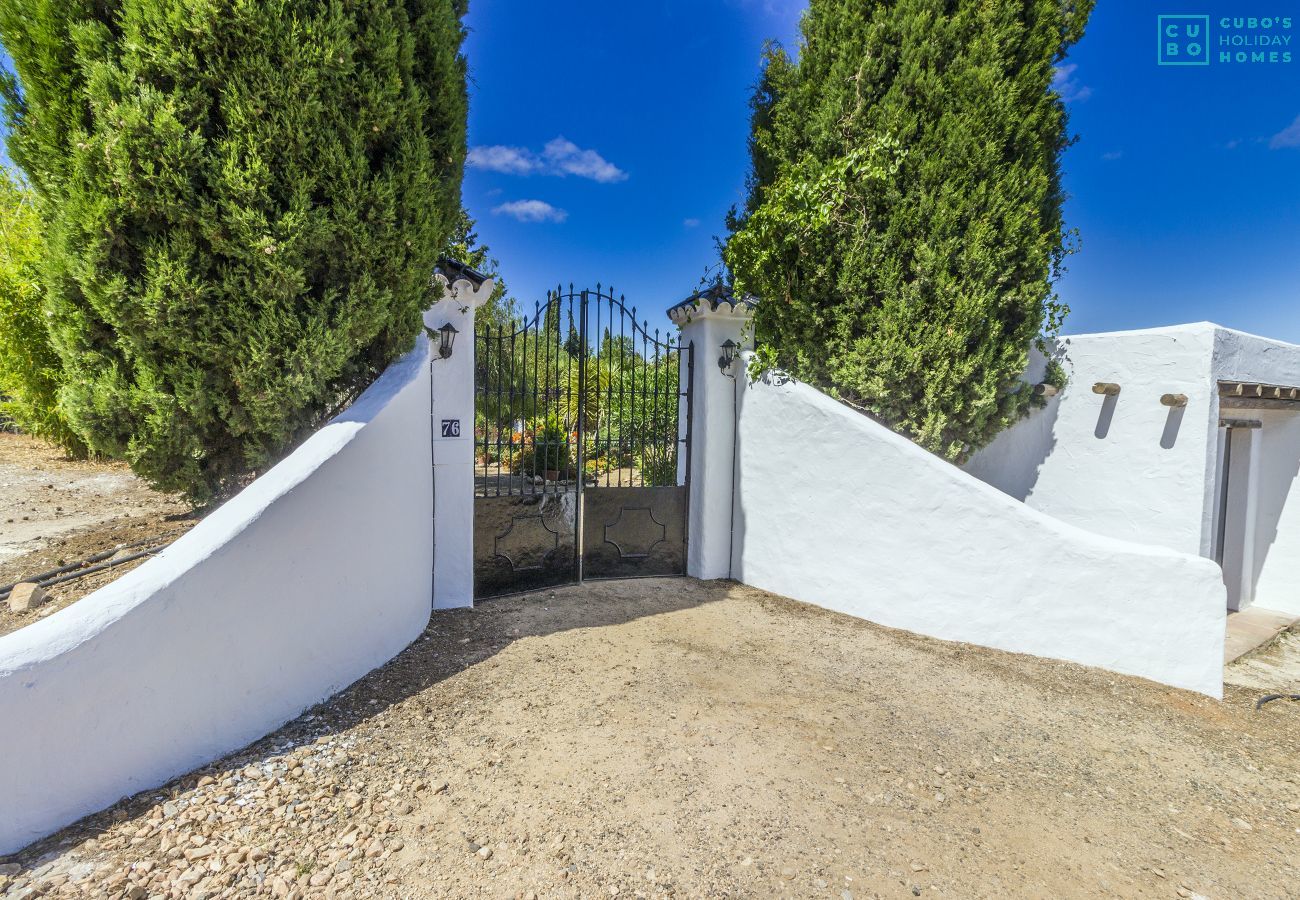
(582, 432)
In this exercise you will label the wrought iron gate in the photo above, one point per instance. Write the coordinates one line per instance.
(582, 446)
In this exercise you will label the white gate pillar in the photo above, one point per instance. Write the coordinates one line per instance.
(452, 411)
(708, 319)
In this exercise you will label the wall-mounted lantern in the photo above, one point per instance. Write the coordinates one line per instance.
(446, 340)
(1173, 400)
(1108, 388)
(729, 348)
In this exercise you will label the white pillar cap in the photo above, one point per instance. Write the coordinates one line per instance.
(717, 301)
(461, 283)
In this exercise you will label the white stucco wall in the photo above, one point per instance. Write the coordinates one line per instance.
(837, 510)
(1272, 577)
(1122, 466)
(1239, 356)
(1149, 474)
(1275, 555)
(316, 573)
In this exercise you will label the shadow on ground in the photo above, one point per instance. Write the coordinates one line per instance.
(452, 642)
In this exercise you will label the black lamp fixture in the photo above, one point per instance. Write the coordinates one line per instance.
(447, 338)
(729, 348)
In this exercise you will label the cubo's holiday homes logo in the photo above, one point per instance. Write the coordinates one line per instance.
(1197, 40)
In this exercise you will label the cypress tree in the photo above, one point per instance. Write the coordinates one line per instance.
(30, 371)
(243, 202)
(904, 223)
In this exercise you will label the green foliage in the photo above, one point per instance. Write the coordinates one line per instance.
(764, 359)
(243, 203)
(629, 408)
(904, 225)
(632, 405)
(552, 448)
(30, 371)
(659, 465)
(1055, 374)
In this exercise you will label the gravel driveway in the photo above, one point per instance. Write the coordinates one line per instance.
(671, 737)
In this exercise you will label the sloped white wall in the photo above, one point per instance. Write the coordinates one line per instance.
(837, 510)
(315, 574)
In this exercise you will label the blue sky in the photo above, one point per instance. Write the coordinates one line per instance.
(608, 141)
(1184, 184)
(658, 91)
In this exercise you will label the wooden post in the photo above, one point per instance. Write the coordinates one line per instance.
(1174, 400)
(1109, 388)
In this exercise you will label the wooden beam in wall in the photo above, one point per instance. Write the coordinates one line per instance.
(1257, 403)
(1258, 390)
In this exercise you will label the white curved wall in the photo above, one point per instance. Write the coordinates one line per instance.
(837, 510)
(315, 574)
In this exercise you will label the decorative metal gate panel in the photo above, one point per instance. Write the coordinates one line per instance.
(582, 446)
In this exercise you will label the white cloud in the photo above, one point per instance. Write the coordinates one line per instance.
(1065, 84)
(498, 158)
(1287, 137)
(531, 211)
(1113, 155)
(567, 158)
(559, 157)
(691, 223)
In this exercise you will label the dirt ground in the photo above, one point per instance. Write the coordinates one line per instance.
(670, 737)
(55, 511)
(1273, 668)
